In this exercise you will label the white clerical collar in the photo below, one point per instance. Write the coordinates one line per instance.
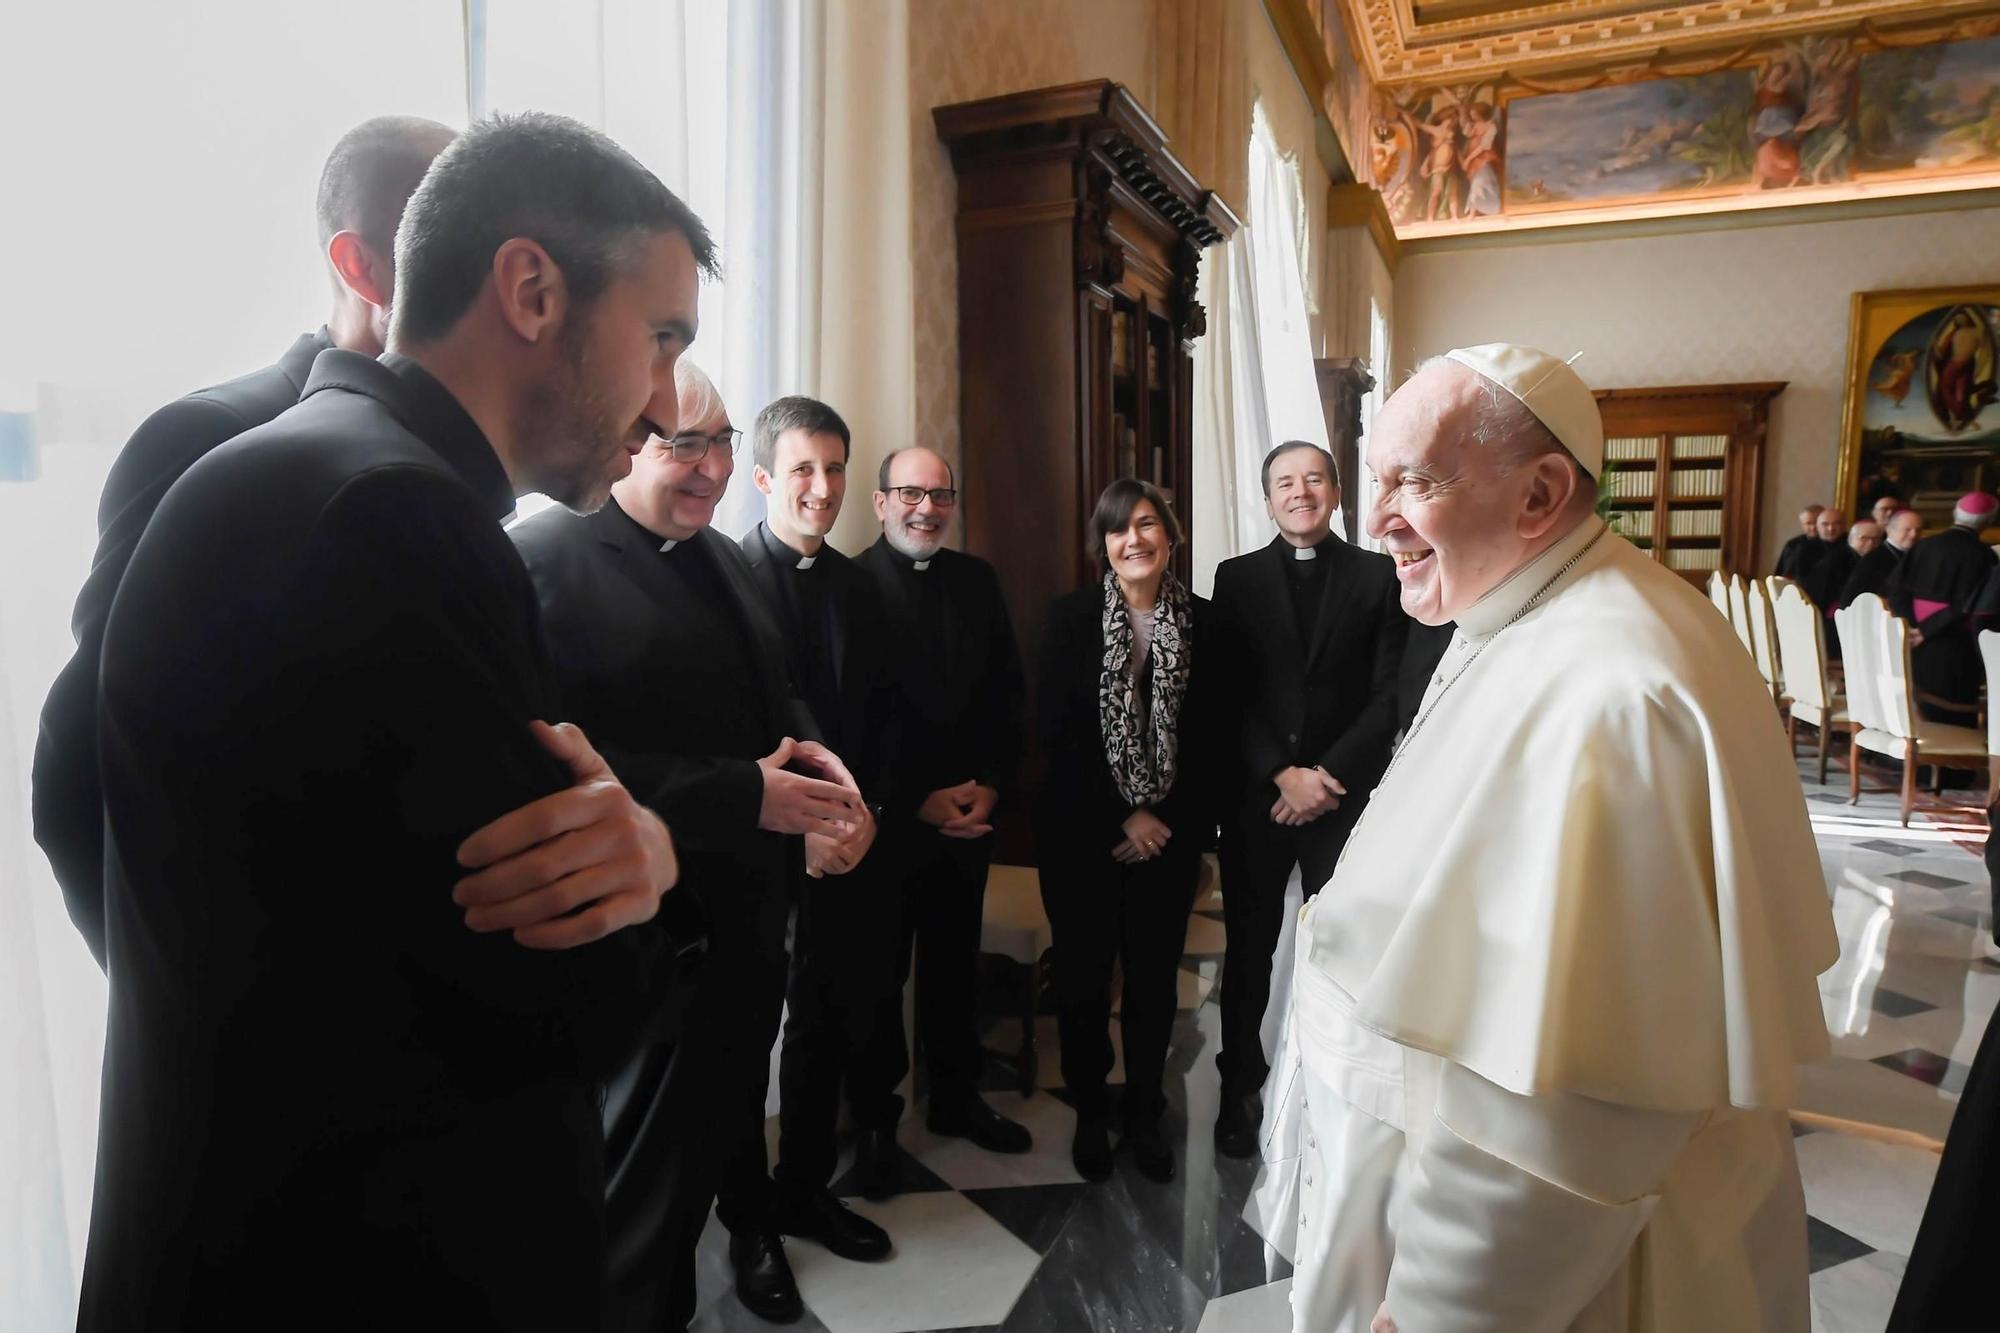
(1305, 553)
(920, 565)
(1501, 605)
(806, 561)
(669, 544)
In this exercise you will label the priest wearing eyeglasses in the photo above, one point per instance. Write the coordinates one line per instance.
(667, 654)
(1550, 1003)
(960, 705)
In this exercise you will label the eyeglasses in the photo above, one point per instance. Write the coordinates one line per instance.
(692, 448)
(944, 497)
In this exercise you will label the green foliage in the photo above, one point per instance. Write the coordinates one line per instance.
(1720, 146)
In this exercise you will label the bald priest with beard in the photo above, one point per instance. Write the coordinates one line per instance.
(1550, 1002)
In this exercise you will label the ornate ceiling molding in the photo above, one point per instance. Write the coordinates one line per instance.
(1455, 41)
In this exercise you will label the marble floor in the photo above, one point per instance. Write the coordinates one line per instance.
(1021, 1243)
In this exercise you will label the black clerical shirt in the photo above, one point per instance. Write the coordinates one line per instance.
(809, 614)
(1306, 582)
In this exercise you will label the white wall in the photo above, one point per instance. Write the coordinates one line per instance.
(1748, 303)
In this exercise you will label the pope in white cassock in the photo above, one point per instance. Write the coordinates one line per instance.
(1549, 1005)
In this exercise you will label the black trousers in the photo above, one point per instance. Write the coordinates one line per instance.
(684, 1124)
(935, 910)
(1101, 911)
(844, 948)
(1257, 857)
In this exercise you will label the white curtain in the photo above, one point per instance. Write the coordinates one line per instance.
(158, 174)
(1254, 382)
(724, 102)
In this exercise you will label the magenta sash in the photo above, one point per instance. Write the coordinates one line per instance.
(1925, 609)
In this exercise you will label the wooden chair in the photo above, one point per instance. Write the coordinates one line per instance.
(1883, 704)
(1015, 926)
(1802, 645)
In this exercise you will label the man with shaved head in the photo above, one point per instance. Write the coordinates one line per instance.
(367, 179)
(960, 705)
(1547, 1047)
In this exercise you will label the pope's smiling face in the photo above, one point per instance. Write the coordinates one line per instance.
(1456, 520)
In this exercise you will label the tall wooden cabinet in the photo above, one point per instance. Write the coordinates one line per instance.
(1079, 244)
(1684, 466)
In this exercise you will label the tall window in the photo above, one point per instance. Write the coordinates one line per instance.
(1284, 335)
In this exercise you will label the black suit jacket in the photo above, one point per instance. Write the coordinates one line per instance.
(1078, 810)
(1873, 572)
(1422, 652)
(1332, 702)
(322, 1091)
(681, 696)
(68, 795)
(860, 726)
(965, 722)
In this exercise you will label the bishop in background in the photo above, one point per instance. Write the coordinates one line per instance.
(1550, 1002)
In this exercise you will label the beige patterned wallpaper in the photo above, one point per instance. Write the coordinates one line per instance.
(1747, 303)
(959, 51)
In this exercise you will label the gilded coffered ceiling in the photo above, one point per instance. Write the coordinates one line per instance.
(1431, 41)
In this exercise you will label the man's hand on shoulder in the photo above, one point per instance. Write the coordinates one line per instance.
(570, 868)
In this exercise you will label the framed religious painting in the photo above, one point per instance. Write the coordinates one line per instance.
(1922, 414)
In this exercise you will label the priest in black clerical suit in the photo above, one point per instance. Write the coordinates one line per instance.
(322, 1090)
(1318, 629)
(1800, 553)
(68, 798)
(1935, 590)
(843, 944)
(671, 661)
(961, 705)
(1873, 572)
(363, 187)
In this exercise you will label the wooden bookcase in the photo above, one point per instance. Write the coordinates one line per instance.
(1079, 245)
(1685, 468)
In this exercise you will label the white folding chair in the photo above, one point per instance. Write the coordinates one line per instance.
(1739, 613)
(1802, 643)
(1883, 702)
(1764, 641)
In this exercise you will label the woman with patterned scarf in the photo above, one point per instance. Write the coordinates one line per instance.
(1125, 808)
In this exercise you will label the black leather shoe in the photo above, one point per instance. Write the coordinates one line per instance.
(974, 1119)
(1150, 1152)
(1090, 1150)
(876, 1171)
(764, 1277)
(821, 1217)
(1238, 1125)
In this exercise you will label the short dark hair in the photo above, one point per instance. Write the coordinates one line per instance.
(1114, 513)
(796, 412)
(1332, 468)
(550, 179)
(371, 173)
(889, 460)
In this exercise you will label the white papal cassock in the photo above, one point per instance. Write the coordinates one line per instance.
(1550, 1004)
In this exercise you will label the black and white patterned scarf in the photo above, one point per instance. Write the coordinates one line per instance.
(1143, 749)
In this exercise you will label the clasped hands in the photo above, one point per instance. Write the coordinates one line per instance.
(1145, 838)
(827, 809)
(1304, 794)
(964, 811)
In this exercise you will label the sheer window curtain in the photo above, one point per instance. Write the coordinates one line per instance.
(1254, 379)
(723, 102)
(158, 179)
